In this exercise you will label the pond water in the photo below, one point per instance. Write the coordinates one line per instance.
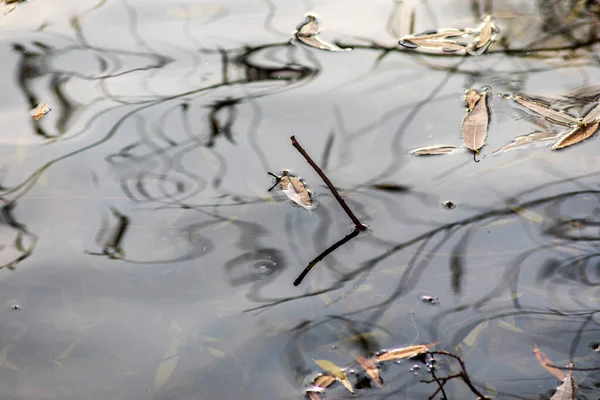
(144, 258)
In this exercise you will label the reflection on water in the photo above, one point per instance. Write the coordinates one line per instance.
(142, 247)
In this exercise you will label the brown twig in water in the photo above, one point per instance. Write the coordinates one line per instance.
(334, 191)
(324, 254)
(462, 374)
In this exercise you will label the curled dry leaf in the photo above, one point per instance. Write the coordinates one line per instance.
(433, 150)
(308, 33)
(296, 191)
(440, 39)
(405, 352)
(567, 390)
(544, 109)
(486, 35)
(471, 98)
(370, 368)
(323, 380)
(335, 371)
(475, 124)
(39, 111)
(546, 362)
(592, 116)
(575, 135)
(522, 141)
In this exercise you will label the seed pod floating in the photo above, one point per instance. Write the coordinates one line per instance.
(575, 135)
(475, 124)
(308, 33)
(295, 189)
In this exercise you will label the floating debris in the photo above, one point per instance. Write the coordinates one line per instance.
(449, 205)
(370, 368)
(429, 299)
(405, 352)
(295, 189)
(336, 372)
(308, 33)
(545, 109)
(434, 150)
(40, 110)
(532, 138)
(447, 40)
(575, 135)
(475, 124)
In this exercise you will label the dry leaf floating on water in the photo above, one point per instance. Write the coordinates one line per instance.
(433, 150)
(39, 111)
(575, 135)
(486, 35)
(532, 138)
(471, 98)
(475, 124)
(295, 189)
(370, 368)
(6, 8)
(308, 33)
(405, 352)
(544, 109)
(592, 116)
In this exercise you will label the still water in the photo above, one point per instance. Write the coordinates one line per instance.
(144, 258)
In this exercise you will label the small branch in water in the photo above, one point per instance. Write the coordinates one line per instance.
(324, 254)
(333, 190)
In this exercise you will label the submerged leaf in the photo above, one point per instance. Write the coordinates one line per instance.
(308, 33)
(169, 359)
(405, 352)
(545, 110)
(592, 116)
(521, 141)
(546, 362)
(575, 135)
(335, 371)
(567, 390)
(527, 214)
(370, 368)
(433, 150)
(475, 124)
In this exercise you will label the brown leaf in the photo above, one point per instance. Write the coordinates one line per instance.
(323, 380)
(486, 35)
(39, 111)
(295, 190)
(433, 150)
(593, 116)
(545, 362)
(312, 395)
(309, 27)
(370, 368)
(405, 352)
(544, 109)
(308, 33)
(567, 390)
(435, 40)
(471, 98)
(521, 141)
(575, 135)
(475, 124)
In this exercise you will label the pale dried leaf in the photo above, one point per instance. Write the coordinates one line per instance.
(475, 124)
(405, 352)
(370, 368)
(592, 116)
(295, 190)
(527, 214)
(471, 98)
(567, 390)
(316, 42)
(544, 109)
(336, 371)
(433, 150)
(546, 362)
(443, 44)
(575, 135)
(521, 141)
(39, 111)
(309, 27)
(323, 380)
(486, 35)
(169, 359)
(308, 33)
(5, 9)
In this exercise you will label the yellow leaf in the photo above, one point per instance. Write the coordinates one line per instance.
(336, 371)
(169, 359)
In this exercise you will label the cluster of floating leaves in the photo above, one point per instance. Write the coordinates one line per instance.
(295, 189)
(475, 125)
(473, 41)
(333, 373)
(308, 32)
